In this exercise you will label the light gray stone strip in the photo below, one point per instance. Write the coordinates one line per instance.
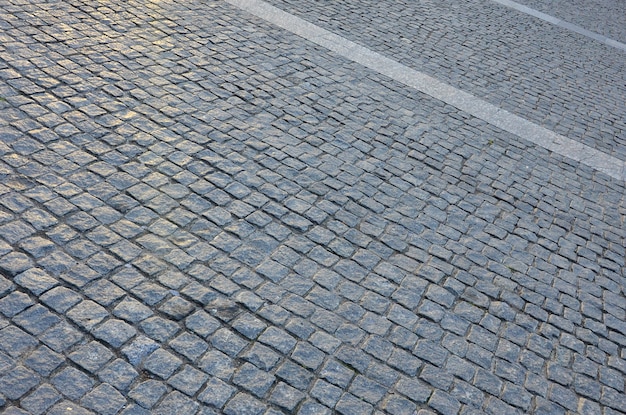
(561, 23)
(424, 83)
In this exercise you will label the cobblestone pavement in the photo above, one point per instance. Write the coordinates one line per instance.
(202, 213)
(603, 17)
(554, 77)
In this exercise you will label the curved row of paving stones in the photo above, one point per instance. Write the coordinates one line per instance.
(203, 214)
(564, 81)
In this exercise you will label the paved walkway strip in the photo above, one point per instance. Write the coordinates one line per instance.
(439, 90)
(561, 23)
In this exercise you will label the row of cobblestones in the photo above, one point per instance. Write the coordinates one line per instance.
(202, 214)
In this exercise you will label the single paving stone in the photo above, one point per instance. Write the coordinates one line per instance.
(517, 396)
(72, 383)
(326, 393)
(496, 406)
(118, 374)
(488, 382)
(217, 364)
(430, 352)
(354, 359)
(159, 329)
(12, 304)
(375, 324)
(189, 345)
(60, 299)
(148, 393)
(414, 389)
(286, 397)
(324, 341)
(103, 263)
(367, 389)
(17, 382)
(162, 363)
(138, 349)
(128, 278)
(228, 342)
(254, 380)
(61, 337)
(563, 396)
(189, 380)
(40, 399)
(610, 397)
(104, 400)
(150, 294)
(272, 270)
(612, 378)
(244, 404)
(262, 357)
(308, 356)
(16, 342)
(440, 295)
(249, 326)
(36, 319)
(508, 351)
(87, 314)
(216, 393)
(114, 332)
(43, 361)
(431, 310)
(337, 373)
(39, 219)
(224, 309)
(404, 362)
(202, 323)
(80, 274)
(91, 356)
(132, 310)
(15, 263)
(36, 280)
(177, 308)
(397, 405)
(294, 375)
(351, 405)
(444, 403)
(37, 246)
(468, 311)
(176, 403)
(277, 339)
(13, 232)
